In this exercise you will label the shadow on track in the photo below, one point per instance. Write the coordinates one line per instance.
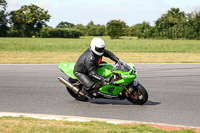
(152, 103)
(119, 102)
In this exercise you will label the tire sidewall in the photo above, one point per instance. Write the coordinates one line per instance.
(144, 94)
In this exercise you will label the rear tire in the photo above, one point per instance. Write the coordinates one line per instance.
(73, 94)
(139, 96)
(77, 97)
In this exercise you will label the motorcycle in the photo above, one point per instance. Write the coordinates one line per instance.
(121, 86)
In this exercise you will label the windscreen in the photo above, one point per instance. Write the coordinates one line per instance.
(123, 67)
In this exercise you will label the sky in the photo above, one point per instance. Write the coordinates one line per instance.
(102, 11)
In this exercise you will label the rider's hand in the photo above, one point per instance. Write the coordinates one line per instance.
(107, 80)
(120, 62)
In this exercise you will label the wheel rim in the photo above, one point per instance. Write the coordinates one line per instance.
(137, 95)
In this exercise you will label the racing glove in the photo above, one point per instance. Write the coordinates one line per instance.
(107, 80)
(121, 62)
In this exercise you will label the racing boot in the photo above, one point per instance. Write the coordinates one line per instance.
(86, 91)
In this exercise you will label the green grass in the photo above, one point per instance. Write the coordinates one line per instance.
(129, 49)
(29, 125)
(126, 44)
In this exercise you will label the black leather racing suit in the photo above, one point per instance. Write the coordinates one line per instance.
(86, 66)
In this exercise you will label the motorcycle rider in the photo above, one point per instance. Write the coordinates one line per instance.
(86, 65)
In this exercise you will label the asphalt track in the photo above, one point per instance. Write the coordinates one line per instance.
(174, 94)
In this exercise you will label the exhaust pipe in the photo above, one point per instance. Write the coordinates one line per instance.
(70, 86)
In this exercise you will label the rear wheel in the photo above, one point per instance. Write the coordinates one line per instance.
(73, 94)
(138, 96)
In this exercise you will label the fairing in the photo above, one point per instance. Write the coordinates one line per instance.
(67, 68)
(106, 70)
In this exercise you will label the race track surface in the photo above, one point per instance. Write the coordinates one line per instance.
(174, 94)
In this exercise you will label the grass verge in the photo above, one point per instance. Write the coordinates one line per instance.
(129, 49)
(22, 125)
(126, 44)
(17, 57)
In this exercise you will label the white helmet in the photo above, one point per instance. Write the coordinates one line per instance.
(97, 45)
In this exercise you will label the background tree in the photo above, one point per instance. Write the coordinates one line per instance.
(29, 20)
(143, 30)
(66, 25)
(127, 31)
(115, 28)
(91, 29)
(171, 25)
(82, 29)
(194, 24)
(136, 30)
(95, 30)
(3, 18)
(190, 26)
(100, 30)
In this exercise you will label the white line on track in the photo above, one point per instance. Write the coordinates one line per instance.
(87, 119)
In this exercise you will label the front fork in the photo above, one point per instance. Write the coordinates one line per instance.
(135, 83)
(130, 91)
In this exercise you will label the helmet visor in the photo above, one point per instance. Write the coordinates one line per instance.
(100, 50)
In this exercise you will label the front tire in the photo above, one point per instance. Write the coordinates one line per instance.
(138, 96)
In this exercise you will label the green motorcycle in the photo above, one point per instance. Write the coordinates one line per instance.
(121, 86)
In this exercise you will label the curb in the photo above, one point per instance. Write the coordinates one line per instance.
(162, 126)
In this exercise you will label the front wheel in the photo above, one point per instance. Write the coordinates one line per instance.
(138, 95)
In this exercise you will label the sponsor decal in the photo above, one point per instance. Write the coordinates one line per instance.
(126, 76)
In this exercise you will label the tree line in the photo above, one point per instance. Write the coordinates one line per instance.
(30, 21)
